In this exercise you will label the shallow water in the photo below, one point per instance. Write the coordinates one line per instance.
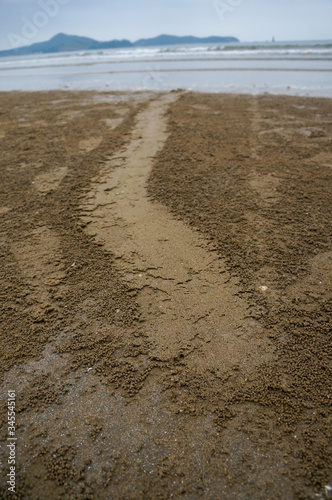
(301, 68)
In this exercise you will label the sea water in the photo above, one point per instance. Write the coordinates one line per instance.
(294, 68)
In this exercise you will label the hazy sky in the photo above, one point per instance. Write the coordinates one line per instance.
(29, 21)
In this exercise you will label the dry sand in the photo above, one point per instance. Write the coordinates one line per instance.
(166, 270)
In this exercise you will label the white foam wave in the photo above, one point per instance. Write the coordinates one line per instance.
(191, 52)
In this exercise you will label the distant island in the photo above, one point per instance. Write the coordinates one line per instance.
(66, 43)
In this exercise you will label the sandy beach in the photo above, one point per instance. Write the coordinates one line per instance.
(166, 291)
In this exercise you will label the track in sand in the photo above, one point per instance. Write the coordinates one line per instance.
(190, 304)
(165, 268)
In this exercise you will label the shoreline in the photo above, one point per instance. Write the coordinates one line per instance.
(150, 91)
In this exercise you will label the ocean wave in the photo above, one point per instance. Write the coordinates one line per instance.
(191, 52)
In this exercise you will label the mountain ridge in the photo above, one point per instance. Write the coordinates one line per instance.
(62, 42)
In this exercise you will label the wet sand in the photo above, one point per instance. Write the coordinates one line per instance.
(167, 290)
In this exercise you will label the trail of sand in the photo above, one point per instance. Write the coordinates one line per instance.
(190, 304)
(46, 182)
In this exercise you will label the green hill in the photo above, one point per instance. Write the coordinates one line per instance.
(66, 43)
